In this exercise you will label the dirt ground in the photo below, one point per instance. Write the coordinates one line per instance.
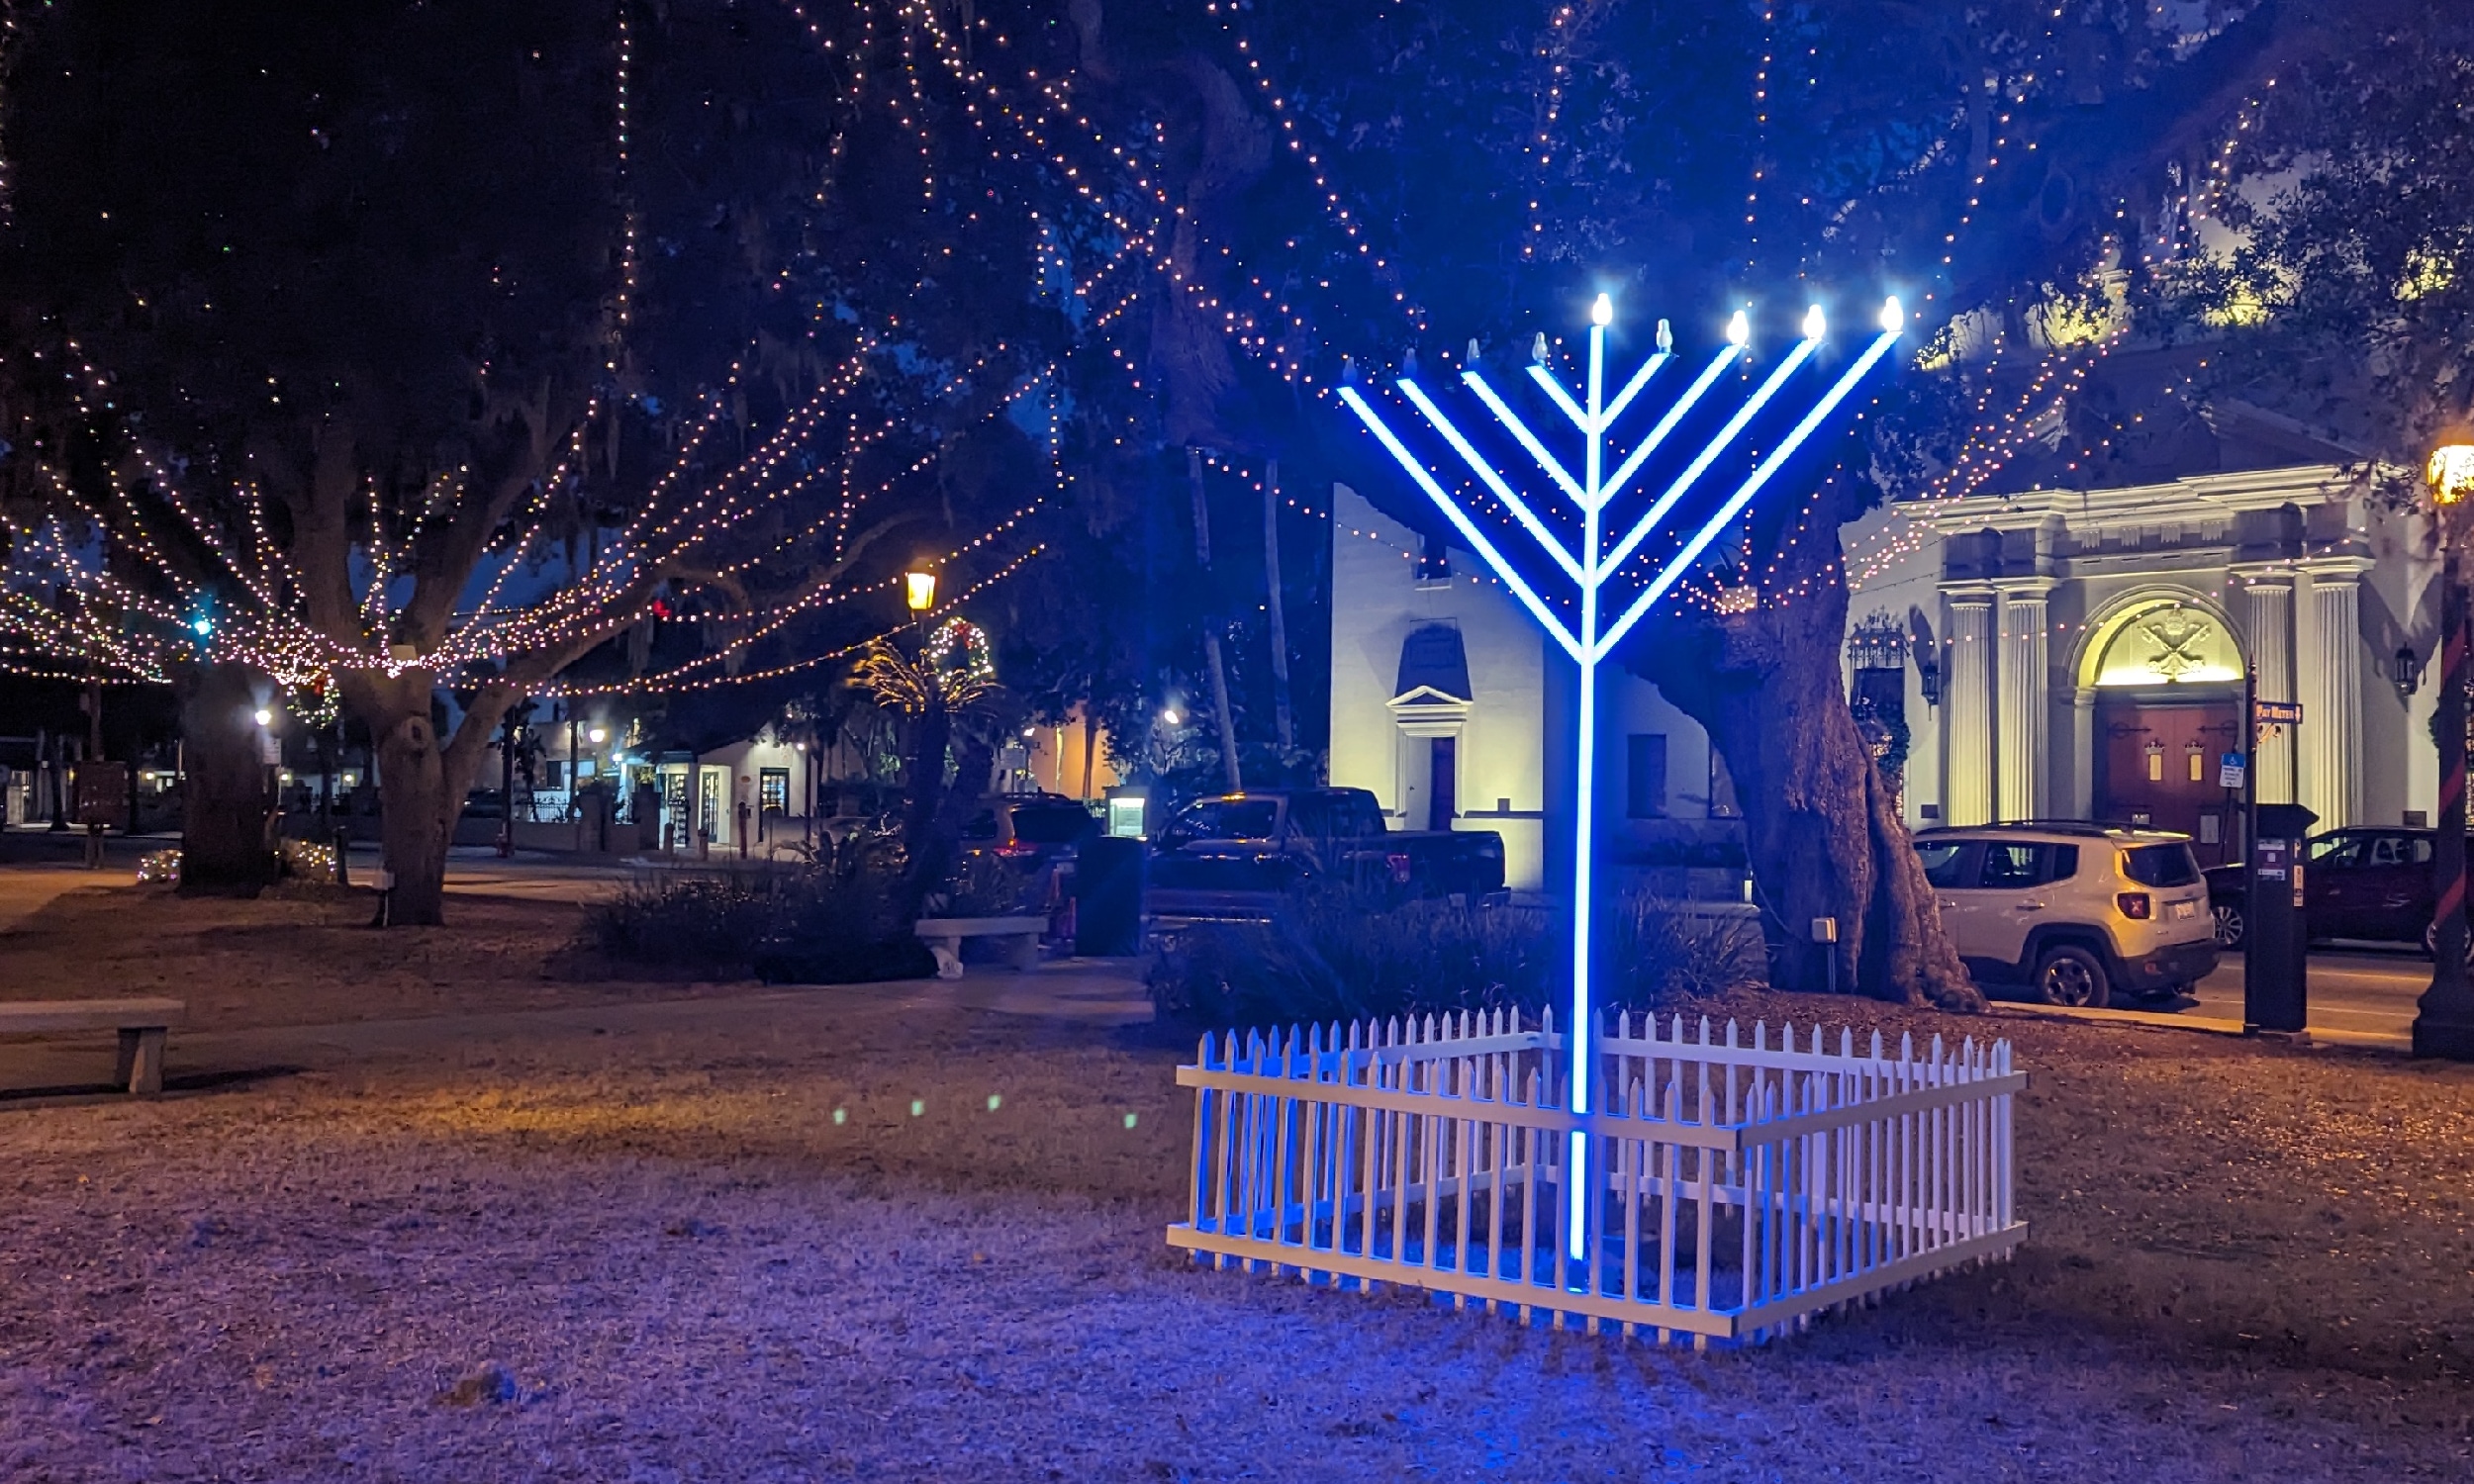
(306, 956)
(869, 1233)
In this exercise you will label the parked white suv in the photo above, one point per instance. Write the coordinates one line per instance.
(2076, 912)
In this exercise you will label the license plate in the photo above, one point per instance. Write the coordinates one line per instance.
(2185, 910)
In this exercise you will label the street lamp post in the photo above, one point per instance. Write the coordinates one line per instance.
(2444, 1021)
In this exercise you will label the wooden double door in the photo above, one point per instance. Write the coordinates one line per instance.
(2157, 767)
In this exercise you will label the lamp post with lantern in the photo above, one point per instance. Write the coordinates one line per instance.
(2444, 1021)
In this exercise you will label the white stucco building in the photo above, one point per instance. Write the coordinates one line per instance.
(2059, 653)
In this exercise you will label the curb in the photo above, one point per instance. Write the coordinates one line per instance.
(2211, 1026)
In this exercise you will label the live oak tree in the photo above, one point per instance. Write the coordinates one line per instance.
(470, 340)
(2342, 291)
(1413, 178)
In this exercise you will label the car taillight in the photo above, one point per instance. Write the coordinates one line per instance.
(2134, 904)
(1018, 851)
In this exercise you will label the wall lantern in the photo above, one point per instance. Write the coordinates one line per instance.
(919, 591)
(2408, 670)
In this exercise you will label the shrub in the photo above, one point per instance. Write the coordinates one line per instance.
(686, 921)
(1333, 955)
(306, 861)
(303, 860)
(1662, 952)
(985, 885)
(829, 921)
(1337, 955)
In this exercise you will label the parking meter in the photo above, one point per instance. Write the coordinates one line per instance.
(2274, 996)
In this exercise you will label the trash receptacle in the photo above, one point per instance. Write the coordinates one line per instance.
(1108, 896)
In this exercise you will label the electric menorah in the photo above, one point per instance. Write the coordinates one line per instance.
(1594, 568)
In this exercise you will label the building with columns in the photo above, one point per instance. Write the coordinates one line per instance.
(2090, 647)
(2054, 653)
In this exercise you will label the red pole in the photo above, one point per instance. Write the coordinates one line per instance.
(2444, 1022)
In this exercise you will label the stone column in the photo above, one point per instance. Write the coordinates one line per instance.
(2018, 778)
(2269, 602)
(2330, 672)
(2083, 747)
(1967, 697)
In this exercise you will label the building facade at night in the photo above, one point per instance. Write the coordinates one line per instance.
(2054, 653)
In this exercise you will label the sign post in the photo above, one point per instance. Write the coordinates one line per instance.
(2275, 938)
(1594, 569)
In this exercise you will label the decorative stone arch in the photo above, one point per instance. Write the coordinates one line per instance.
(2120, 612)
(2107, 624)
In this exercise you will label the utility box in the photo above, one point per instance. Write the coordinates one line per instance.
(2274, 965)
(1108, 896)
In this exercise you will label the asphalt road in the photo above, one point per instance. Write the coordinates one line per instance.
(2366, 990)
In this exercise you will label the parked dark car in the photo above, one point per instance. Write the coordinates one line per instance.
(2370, 884)
(1030, 830)
(1235, 856)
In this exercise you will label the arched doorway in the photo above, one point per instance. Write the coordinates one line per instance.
(2168, 678)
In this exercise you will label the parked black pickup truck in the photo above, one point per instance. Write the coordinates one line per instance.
(1232, 858)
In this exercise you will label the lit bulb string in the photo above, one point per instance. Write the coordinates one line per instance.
(1054, 95)
(1893, 547)
(919, 104)
(1553, 52)
(1056, 100)
(661, 682)
(476, 641)
(1131, 236)
(255, 574)
(627, 260)
(273, 648)
(536, 511)
(1132, 239)
(621, 562)
(1760, 134)
(767, 620)
(1226, 10)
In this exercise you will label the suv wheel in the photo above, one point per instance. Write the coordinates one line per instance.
(2229, 924)
(2072, 976)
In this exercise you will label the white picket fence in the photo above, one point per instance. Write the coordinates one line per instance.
(1746, 1184)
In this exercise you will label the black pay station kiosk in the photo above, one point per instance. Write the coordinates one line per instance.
(2274, 941)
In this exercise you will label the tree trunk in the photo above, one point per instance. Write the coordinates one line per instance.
(417, 817)
(422, 785)
(225, 802)
(1212, 661)
(1824, 837)
(1274, 602)
(924, 780)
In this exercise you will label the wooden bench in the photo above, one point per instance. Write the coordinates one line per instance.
(143, 1023)
(943, 937)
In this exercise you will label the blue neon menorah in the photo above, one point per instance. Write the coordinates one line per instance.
(1591, 568)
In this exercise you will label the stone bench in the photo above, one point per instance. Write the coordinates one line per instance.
(943, 937)
(143, 1023)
